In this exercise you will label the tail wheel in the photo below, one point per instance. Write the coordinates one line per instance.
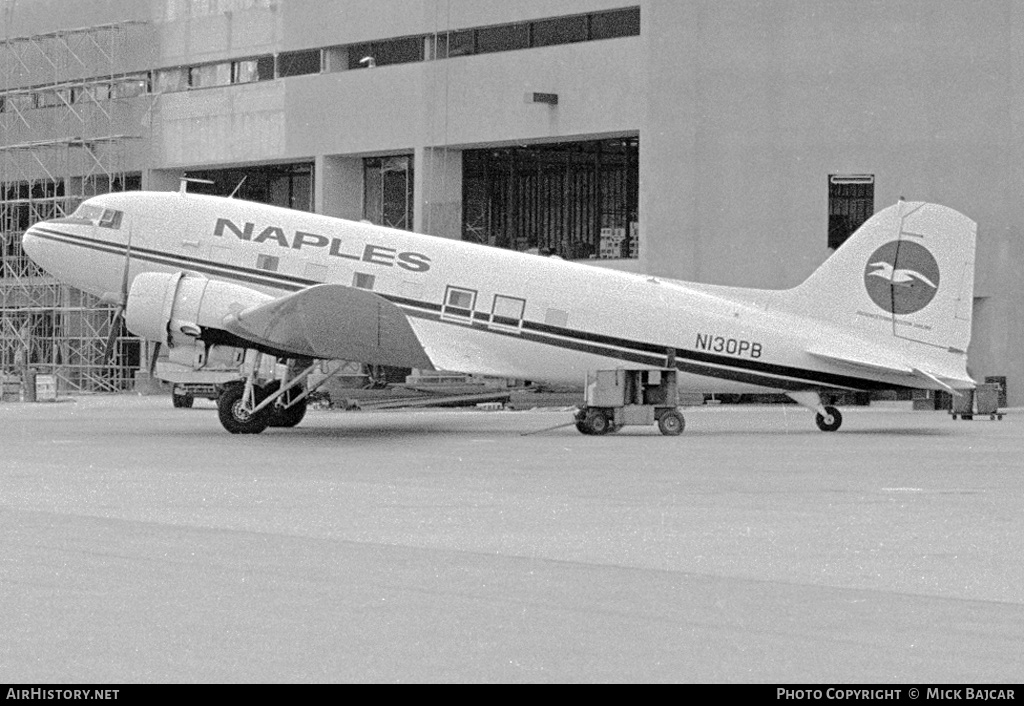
(830, 421)
(234, 417)
(291, 416)
(671, 423)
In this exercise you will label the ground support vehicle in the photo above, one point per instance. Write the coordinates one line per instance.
(617, 398)
(983, 401)
(197, 373)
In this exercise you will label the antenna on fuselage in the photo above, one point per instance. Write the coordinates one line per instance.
(232, 195)
(184, 181)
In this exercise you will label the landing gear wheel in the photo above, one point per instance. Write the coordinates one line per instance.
(830, 421)
(236, 419)
(286, 417)
(594, 422)
(182, 401)
(671, 423)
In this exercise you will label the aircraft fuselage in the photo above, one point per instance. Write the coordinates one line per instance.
(476, 309)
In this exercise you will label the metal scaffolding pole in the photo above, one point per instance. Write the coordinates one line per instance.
(70, 107)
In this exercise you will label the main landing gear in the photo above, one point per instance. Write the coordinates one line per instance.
(827, 417)
(247, 407)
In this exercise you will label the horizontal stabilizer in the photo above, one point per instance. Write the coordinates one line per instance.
(876, 363)
(334, 322)
(928, 376)
(889, 365)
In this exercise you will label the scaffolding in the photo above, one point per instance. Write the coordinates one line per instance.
(74, 105)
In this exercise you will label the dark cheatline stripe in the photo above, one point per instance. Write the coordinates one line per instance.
(694, 362)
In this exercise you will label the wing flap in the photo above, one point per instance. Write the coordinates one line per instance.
(331, 321)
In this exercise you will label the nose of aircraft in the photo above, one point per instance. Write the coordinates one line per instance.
(34, 245)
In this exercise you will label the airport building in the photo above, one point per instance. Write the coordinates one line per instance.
(733, 142)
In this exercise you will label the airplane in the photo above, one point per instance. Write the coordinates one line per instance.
(890, 309)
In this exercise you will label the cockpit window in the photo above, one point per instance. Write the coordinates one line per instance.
(103, 217)
(89, 212)
(111, 219)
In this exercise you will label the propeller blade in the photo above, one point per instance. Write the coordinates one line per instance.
(127, 265)
(118, 320)
(115, 330)
(152, 360)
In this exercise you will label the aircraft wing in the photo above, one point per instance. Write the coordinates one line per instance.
(889, 365)
(331, 321)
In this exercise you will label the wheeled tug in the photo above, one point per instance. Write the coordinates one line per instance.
(617, 398)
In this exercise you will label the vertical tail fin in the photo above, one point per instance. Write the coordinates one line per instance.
(908, 273)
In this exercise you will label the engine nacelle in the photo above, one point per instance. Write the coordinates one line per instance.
(174, 308)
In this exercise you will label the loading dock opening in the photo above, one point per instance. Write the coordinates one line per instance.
(577, 200)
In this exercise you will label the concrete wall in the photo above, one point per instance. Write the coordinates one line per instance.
(751, 105)
(462, 101)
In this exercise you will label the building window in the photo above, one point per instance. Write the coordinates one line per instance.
(392, 51)
(577, 200)
(291, 187)
(560, 30)
(132, 86)
(209, 75)
(388, 191)
(298, 63)
(47, 99)
(451, 44)
(102, 91)
(287, 185)
(165, 81)
(851, 201)
(615, 23)
(250, 70)
(503, 38)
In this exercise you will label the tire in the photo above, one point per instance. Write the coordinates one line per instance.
(830, 423)
(671, 423)
(182, 401)
(231, 416)
(597, 422)
(286, 417)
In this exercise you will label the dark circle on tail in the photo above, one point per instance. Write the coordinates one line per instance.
(901, 277)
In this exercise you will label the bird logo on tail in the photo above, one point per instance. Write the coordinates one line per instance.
(902, 277)
(899, 278)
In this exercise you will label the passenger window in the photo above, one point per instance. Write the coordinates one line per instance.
(361, 280)
(507, 312)
(459, 303)
(267, 262)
